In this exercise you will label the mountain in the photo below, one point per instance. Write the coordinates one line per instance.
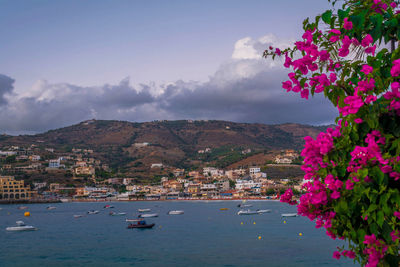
(132, 147)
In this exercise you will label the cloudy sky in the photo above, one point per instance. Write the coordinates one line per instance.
(65, 61)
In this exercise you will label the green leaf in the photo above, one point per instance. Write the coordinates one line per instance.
(343, 14)
(327, 16)
(380, 218)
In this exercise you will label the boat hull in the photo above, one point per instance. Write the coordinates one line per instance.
(148, 215)
(146, 226)
(176, 212)
(21, 228)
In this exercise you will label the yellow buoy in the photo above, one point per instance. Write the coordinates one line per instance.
(259, 237)
(300, 234)
(254, 222)
(284, 221)
(241, 223)
(27, 214)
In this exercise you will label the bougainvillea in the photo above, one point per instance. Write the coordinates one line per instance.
(351, 54)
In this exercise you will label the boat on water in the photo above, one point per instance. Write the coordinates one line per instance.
(22, 207)
(176, 212)
(247, 212)
(21, 226)
(289, 215)
(117, 213)
(144, 210)
(140, 224)
(148, 215)
(65, 200)
(108, 207)
(78, 216)
(263, 211)
(51, 208)
(243, 205)
(90, 212)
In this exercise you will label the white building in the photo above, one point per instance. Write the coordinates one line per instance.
(156, 165)
(246, 184)
(254, 170)
(54, 163)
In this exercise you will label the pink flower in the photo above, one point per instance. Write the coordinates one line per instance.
(366, 69)
(367, 40)
(349, 185)
(335, 195)
(324, 55)
(278, 51)
(371, 50)
(348, 25)
(287, 85)
(395, 71)
(397, 214)
(336, 255)
(393, 4)
(304, 93)
(358, 120)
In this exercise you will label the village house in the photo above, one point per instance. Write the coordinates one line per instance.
(11, 189)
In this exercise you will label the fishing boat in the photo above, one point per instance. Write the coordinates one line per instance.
(176, 212)
(108, 207)
(263, 211)
(140, 224)
(223, 209)
(148, 215)
(22, 208)
(90, 212)
(117, 213)
(78, 216)
(21, 227)
(289, 215)
(144, 210)
(51, 208)
(247, 212)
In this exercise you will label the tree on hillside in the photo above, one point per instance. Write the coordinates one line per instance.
(351, 54)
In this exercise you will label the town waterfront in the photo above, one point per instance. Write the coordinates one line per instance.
(203, 236)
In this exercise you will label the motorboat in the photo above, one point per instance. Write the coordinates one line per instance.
(22, 208)
(148, 215)
(263, 211)
(21, 227)
(131, 220)
(90, 212)
(51, 208)
(176, 212)
(117, 213)
(108, 207)
(78, 216)
(144, 210)
(140, 224)
(289, 215)
(247, 212)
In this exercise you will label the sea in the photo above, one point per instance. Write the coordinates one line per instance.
(203, 236)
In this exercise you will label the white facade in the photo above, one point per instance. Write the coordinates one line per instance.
(54, 163)
(156, 165)
(254, 170)
(244, 184)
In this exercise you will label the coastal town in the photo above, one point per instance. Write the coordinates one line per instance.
(79, 176)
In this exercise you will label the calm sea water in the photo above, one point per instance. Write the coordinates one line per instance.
(203, 236)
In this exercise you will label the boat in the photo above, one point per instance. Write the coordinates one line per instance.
(247, 212)
(65, 200)
(263, 211)
(21, 227)
(289, 215)
(244, 205)
(51, 208)
(90, 212)
(117, 213)
(132, 220)
(78, 216)
(108, 207)
(223, 209)
(144, 210)
(148, 215)
(22, 208)
(176, 212)
(140, 224)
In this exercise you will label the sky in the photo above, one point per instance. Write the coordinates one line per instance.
(65, 61)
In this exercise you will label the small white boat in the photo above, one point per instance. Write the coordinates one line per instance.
(117, 213)
(132, 220)
(289, 215)
(148, 215)
(263, 211)
(144, 210)
(22, 208)
(176, 212)
(247, 212)
(51, 208)
(108, 207)
(244, 205)
(78, 216)
(21, 227)
(90, 212)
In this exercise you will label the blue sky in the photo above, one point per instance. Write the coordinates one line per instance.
(92, 43)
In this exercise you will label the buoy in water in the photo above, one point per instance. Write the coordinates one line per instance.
(254, 222)
(241, 223)
(300, 234)
(284, 221)
(27, 214)
(259, 237)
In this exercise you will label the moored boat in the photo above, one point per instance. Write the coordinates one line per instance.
(247, 212)
(108, 207)
(144, 210)
(263, 211)
(148, 215)
(140, 224)
(90, 212)
(21, 227)
(51, 208)
(176, 212)
(78, 216)
(22, 208)
(289, 215)
(244, 205)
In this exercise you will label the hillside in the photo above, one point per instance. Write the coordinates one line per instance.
(131, 148)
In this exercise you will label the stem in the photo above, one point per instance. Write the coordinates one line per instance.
(392, 45)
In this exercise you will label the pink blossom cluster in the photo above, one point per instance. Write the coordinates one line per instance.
(394, 96)
(287, 197)
(375, 250)
(347, 253)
